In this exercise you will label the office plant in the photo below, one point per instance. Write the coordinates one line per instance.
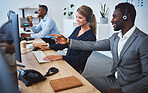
(103, 12)
(68, 11)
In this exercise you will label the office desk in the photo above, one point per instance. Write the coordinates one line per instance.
(65, 70)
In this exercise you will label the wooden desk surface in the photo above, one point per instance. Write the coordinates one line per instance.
(65, 70)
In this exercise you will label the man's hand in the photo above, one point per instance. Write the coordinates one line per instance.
(114, 91)
(29, 20)
(25, 35)
(60, 39)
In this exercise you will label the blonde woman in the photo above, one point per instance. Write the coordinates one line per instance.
(85, 31)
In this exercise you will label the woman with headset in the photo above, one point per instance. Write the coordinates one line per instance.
(85, 31)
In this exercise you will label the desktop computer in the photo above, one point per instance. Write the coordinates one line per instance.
(10, 48)
(15, 32)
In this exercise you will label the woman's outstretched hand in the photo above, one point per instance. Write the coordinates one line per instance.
(60, 39)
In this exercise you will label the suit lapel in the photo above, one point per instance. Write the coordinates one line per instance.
(128, 43)
(115, 48)
(115, 54)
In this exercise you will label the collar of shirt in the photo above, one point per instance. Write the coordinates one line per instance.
(122, 41)
(45, 18)
(127, 34)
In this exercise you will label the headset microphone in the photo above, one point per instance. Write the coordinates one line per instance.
(88, 19)
(84, 24)
(119, 22)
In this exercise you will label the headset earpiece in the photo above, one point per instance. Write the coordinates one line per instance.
(88, 20)
(124, 17)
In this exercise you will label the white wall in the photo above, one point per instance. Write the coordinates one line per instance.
(141, 18)
(95, 5)
(55, 8)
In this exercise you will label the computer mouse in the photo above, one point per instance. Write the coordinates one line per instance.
(36, 48)
(28, 31)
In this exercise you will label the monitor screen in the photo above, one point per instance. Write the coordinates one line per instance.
(10, 34)
(9, 53)
(15, 31)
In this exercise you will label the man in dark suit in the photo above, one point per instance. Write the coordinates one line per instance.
(129, 48)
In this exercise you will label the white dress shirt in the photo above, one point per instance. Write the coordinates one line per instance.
(122, 41)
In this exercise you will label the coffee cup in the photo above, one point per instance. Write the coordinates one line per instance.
(29, 18)
(23, 44)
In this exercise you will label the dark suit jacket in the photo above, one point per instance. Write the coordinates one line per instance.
(132, 65)
(77, 58)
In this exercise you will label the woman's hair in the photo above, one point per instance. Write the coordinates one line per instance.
(90, 17)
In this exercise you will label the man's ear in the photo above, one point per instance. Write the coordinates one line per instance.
(44, 10)
(129, 18)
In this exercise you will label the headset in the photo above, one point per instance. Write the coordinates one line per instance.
(125, 17)
(89, 19)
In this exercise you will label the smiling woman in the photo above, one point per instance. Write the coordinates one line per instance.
(86, 13)
(85, 31)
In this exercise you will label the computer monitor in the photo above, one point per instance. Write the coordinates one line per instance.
(15, 31)
(9, 53)
(10, 33)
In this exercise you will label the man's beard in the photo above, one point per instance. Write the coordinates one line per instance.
(117, 28)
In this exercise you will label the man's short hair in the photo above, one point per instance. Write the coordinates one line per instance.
(44, 7)
(129, 8)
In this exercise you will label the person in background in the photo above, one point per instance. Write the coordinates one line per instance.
(129, 49)
(46, 27)
(86, 31)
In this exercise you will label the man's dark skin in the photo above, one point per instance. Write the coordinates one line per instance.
(42, 12)
(118, 24)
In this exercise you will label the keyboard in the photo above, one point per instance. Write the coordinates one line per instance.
(39, 56)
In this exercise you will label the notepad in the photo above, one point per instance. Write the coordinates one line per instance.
(65, 83)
